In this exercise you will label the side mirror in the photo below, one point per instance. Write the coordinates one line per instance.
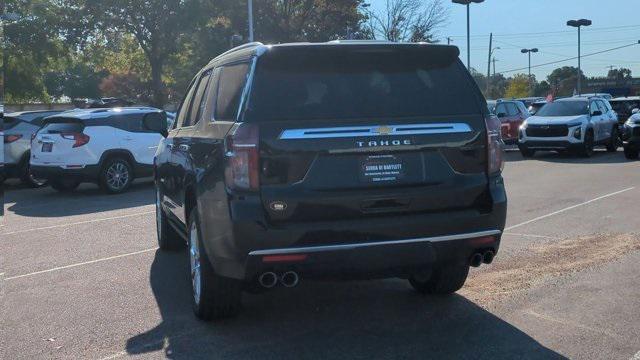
(635, 111)
(501, 115)
(596, 113)
(156, 122)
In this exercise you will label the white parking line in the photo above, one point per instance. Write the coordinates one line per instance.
(636, 356)
(80, 264)
(568, 208)
(78, 223)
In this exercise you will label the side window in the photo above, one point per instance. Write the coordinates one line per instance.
(196, 104)
(183, 110)
(593, 106)
(232, 81)
(211, 95)
(603, 107)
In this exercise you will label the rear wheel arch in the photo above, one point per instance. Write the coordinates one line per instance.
(121, 153)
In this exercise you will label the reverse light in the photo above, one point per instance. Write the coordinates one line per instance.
(8, 139)
(242, 157)
(495, 151)
(78, 138)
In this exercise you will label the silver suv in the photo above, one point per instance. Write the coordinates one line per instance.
(18, 129)
(577, 124)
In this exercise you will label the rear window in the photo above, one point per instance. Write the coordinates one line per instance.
(61, 126)
(564, 108)
(362, 83)
(9, 122)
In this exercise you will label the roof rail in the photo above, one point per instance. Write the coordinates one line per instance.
(338, 41)
(240, 47)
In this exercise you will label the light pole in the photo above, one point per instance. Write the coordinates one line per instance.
(467, 3)
(528, 52)
(250, 10)
(579, 23)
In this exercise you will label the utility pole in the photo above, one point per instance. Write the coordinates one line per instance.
(449, 40)
(494, 66)
(489, 62)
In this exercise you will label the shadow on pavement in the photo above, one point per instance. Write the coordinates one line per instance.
(599, 157)
(373, 319)
(88, 198)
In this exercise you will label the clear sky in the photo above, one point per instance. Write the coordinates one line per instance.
(518, 24)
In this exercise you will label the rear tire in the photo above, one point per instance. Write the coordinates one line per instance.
(443, 281)
(631, 153)
(116, 175)
(213, 296)
(526, 152)
(65, 186)
(168, 237)
(614, 142)
(28, 179)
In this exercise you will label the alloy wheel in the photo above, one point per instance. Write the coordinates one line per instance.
(117, 175)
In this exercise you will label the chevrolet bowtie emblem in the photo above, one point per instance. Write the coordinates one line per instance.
(383, 130)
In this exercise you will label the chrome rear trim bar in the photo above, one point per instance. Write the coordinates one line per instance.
(376, 130)
(337, 247)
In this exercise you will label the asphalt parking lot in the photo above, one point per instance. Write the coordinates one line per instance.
(81, 278)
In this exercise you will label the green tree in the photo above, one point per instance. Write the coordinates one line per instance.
(564, 80)
(619, 74)
(542, 89)
(518, 86)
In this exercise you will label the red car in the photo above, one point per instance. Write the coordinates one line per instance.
(511, 114)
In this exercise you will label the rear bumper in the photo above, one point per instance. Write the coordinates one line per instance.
(372, 259)
(631, 136)
(381, 246)
(88, 173)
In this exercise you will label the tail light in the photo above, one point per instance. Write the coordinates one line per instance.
(78, 138)
(242, 159)
(8, 139)
(495, 151)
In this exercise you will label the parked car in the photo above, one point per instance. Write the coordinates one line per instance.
(527, 101)
(347, 159)
(110, 147)
(535, 106)
(511, 114)
(18, 129)
(631, 135)
(623, 106)
(602, 95)
(576, 123)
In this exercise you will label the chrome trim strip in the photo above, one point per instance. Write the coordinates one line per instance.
(322, 248)
(376, 130)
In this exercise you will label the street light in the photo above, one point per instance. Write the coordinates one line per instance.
(467, 3)
(579, 23)
(528, 52)
(250, 10)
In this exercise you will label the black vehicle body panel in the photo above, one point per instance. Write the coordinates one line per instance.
(445, 191)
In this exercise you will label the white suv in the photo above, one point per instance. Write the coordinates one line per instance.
(576, 123)
(109, 147)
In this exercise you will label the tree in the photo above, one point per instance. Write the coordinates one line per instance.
(497, 86)
(564, 80)
(542, 89)
(619, 74)
(407, 20)
(480, 79)
(518, 86)
(155, 24)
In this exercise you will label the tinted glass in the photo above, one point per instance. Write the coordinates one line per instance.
(198, 100)
(232, 82)
(9, 122)
(564, 108)
(512, 109)
(360, 84)
(62, 127)
(184, 107)
(212, 92)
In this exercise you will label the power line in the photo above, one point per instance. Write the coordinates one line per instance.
(594, 29)
(569, 59)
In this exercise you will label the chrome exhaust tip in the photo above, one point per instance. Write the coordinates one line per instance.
(268, 280)
(476, 259)
(488, 256)
(289, 279)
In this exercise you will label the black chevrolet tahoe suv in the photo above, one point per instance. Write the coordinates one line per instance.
(339, 160)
